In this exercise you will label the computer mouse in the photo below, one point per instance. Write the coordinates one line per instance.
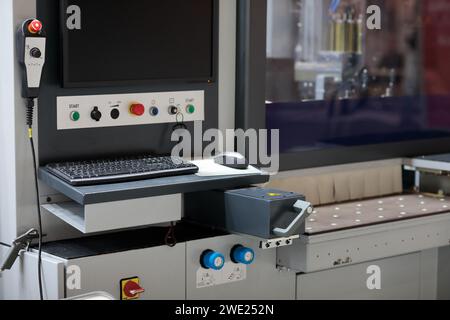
(232, 160)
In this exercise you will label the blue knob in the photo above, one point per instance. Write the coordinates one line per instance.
(154, 111)
(213, 260)
(243, 255)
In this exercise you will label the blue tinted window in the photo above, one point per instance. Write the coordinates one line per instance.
(340, 76)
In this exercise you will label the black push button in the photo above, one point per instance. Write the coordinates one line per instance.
(115, 114)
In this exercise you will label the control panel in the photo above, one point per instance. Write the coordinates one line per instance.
(217, 269)
(100, 111)
(31, 45)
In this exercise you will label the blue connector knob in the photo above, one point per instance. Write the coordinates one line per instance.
(212, 260)
(241, 254)
(154, 111)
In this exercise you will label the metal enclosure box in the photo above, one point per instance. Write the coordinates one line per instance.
(251, 211)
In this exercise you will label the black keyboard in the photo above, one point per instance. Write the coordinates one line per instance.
(120, 169)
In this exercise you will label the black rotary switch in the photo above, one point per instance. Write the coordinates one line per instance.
(96, 114)
(36, 53)
(173, 110)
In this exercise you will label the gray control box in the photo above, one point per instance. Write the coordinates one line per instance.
(263, 213)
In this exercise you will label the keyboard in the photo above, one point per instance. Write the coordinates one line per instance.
(124, 169)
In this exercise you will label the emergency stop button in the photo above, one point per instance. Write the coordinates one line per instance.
(131, 289)
(35, 26)
(137, 109)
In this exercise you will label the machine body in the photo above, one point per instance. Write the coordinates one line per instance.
(301, 234)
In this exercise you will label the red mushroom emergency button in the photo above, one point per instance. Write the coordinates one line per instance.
(132, 290)
(137, 109)
(35, 26)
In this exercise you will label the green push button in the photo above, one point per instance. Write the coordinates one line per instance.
(75, 116)
(190, 109)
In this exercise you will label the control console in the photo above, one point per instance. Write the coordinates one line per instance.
(81, 112)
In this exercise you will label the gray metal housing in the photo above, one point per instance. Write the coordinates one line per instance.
(251, 211)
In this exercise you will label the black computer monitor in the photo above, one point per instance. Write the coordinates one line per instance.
(108, 42)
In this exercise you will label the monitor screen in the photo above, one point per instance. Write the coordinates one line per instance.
(118, 42)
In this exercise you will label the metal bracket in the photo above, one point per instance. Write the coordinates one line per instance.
(277, 243)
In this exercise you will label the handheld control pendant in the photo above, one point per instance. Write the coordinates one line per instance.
(31, 43)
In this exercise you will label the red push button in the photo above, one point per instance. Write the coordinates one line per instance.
(137, 109)
(35, 26)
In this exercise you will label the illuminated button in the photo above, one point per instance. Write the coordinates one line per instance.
(190, 109)
(75, 116)
(35, 26)
(154, 111)
(137, 109)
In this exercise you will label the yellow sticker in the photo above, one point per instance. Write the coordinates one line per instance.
(274, 194)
